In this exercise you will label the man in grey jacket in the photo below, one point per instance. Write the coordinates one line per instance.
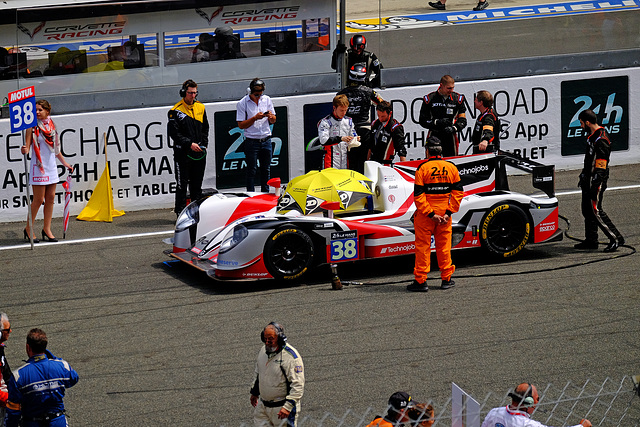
(279, 381)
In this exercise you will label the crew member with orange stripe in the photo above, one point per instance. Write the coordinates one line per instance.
(593, 181)
(486, 133)
(437, 194)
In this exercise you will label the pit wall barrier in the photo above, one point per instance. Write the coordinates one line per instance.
(538, 114)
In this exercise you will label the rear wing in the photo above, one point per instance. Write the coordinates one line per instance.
(543, 175)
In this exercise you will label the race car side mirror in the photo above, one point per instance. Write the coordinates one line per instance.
(330, 207)
(276, 183)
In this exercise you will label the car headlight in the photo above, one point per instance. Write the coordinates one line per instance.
(234, 238)
(188, 217)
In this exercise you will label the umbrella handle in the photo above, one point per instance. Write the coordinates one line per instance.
(29, 216)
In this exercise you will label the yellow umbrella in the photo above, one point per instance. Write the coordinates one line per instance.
(307, 192)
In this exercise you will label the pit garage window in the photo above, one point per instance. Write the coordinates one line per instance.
(55, 56)
(234, 39)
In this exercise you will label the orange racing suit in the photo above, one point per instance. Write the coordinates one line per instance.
(437, 191)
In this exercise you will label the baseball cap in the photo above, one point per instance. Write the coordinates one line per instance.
(400, 400)
(432, 141)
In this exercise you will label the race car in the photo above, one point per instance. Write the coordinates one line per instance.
(246, 236)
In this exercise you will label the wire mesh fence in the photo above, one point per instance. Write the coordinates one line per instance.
(610, 403)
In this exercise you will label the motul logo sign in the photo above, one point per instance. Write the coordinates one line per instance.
(21, 94)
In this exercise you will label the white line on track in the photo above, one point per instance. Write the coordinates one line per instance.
(162, 233)
(623, 187)
(92, 239)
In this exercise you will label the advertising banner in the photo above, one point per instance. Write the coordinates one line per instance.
(231, 166)
(312, 114)
(608, 97)
(538, 113)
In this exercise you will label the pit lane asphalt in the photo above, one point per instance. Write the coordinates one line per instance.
(158, 343)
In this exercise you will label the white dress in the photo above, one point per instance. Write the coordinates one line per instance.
(47, 153)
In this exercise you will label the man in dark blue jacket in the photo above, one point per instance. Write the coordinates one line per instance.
(37, 388)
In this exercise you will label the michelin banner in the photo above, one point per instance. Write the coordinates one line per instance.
(538, 113)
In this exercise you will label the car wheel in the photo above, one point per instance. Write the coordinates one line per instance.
(288, 253)
(505, 230)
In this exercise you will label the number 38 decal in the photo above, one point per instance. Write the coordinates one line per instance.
(343, 246)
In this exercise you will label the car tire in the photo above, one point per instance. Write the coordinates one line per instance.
(288, 253)
(505, 230)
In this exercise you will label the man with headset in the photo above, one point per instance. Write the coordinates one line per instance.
(255, 114)
(279, 382)
(518, 414)
(188, 127)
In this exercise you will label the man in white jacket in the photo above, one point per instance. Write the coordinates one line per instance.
(279, 381)
(337, 134)
(518, 414)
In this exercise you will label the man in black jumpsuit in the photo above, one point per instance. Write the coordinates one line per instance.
(486, 132)
(443, 112)
(360, 98)
(387, 136)
(188, 127)
(593, 182)
(358, 55)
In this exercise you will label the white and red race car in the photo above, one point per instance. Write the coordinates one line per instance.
(240, 236)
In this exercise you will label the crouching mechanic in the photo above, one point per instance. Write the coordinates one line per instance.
(518, 414)
(37, 390)
(437, 194)
(279, 381)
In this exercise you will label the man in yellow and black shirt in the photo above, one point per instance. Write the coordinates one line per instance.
(188, 127)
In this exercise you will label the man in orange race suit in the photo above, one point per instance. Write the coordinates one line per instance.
(437, 194)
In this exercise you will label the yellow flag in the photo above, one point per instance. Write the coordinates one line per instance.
(100, 205)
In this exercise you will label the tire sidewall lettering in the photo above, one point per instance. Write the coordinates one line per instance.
(487, 221)
(522, 244)
(280, 233)
(295, 276)
(490, 215)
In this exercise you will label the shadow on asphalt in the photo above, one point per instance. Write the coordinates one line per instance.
(366, 272)
(378, 273)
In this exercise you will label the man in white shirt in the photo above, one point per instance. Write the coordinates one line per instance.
(518, 414)
(255, 114)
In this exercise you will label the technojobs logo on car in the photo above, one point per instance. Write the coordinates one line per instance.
(608, 97)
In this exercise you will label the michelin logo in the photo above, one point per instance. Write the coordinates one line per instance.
(473, 170)
(393, 249)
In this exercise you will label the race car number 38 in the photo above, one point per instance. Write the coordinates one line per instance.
(343, 246)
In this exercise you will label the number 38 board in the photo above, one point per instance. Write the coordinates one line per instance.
(343, 246)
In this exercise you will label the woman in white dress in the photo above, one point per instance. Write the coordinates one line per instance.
(43, 171)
